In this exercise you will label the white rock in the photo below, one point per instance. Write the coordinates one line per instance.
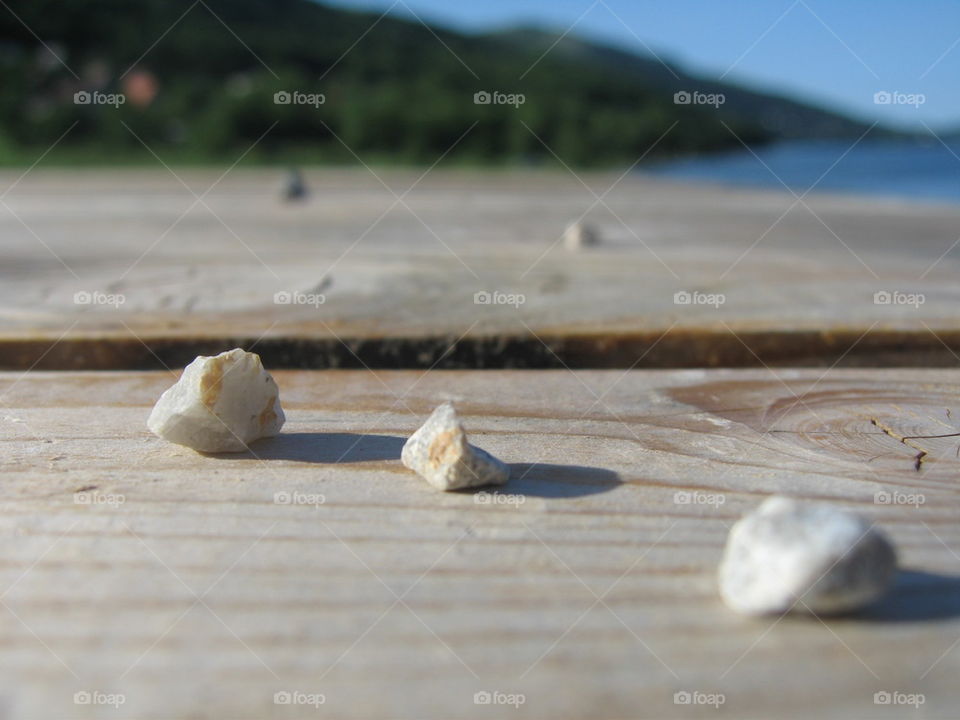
(440, 453)
(219, 404)
(831, 560)
(579, 236)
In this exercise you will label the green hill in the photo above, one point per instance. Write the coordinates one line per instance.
(200, 81)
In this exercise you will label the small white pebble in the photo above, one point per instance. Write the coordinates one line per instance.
(578, 236)
(219, 404)
(440, 453)
(788, 555)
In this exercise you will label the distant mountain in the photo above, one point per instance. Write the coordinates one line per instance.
(950, 135)
(203, 81)
(779, 116)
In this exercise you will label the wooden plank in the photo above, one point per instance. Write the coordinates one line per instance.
(201, 596)
(399, 278)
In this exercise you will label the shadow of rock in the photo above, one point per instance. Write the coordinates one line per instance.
(917, 596)
(559, 481)
(315, 447)
(530, 479)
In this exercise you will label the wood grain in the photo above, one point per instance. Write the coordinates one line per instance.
(399, 278)
(201, 596)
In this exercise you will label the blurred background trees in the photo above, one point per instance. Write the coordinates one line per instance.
(199, 81)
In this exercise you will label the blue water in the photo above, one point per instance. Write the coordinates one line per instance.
(917, 171)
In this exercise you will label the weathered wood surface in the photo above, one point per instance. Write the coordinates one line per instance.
(398, 263)
(201, 596)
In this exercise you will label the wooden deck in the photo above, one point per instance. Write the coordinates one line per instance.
(200, 586)
(317, 567)
(382, 268)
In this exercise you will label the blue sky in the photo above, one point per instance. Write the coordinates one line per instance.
(835, 53)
